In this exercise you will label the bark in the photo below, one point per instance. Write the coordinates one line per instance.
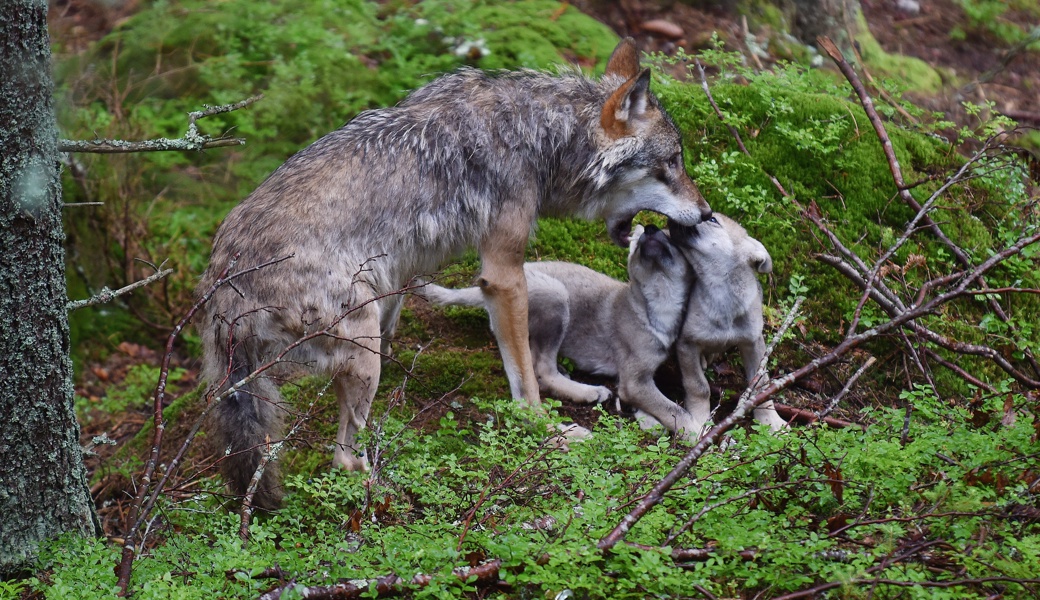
(43, 483)
(835, 19)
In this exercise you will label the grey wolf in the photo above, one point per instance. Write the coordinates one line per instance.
(724, 310)
(469, 160)
(605, 327)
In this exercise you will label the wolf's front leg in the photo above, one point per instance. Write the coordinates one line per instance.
(504, 286)
(752, 355)
(695, 383)
(639, 390)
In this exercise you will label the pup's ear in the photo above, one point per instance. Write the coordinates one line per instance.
(633, 239)
(627, 105)
(624, 60)
(759, 257)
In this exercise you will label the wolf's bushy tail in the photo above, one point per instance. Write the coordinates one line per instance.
(470, 296)
(245, 423)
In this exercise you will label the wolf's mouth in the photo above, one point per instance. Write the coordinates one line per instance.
(681, 234)
(621, 231)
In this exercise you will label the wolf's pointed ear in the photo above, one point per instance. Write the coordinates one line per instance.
(624, 60)
(627, 105)
(759, 257)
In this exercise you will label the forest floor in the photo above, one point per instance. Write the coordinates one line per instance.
(973, 70)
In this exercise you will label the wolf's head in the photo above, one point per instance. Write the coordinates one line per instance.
(639, 163)
(655, 264)
(719, 247)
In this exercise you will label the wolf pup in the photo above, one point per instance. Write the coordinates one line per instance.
(604, 326)
(469, 160)
(724, 309)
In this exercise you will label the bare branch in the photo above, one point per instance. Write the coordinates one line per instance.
(845, 389)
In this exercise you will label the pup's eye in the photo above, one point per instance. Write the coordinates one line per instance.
(713, 220)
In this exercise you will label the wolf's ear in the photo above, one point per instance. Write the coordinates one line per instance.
(627, 105)
(624, 60)
(759, 257)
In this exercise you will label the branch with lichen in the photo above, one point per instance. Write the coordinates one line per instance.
(193, 139)
(107, 295)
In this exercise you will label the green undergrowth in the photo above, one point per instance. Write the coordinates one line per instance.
(813, 505)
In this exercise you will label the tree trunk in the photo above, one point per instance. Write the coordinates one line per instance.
(836, 19)
(43, 483)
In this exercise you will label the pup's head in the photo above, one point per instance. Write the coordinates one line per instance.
(719, 246)
(655, 262)
(640, 165)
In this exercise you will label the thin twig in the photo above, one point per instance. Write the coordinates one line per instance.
(844, 390)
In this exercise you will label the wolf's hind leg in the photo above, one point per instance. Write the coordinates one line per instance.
(390, 315)
(355, 388)
(549, 317)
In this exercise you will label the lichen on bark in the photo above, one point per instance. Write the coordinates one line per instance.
(43, 483)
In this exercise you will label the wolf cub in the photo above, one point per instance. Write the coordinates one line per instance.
(724, 308)
(604, 326)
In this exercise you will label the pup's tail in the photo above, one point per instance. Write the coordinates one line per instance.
(470, 296)
(246, 422)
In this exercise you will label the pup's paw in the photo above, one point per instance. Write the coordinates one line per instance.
(568, 432)
(573, 431)
(646, 422)
(602, 394)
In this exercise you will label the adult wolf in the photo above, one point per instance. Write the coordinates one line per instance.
(469, 160)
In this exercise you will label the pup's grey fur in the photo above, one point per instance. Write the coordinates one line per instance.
(469, 160)
(724, 310)
(603, 326)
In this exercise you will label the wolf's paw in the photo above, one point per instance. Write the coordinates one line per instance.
(573, 431)
(350, 461)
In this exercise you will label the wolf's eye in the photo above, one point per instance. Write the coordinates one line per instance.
(675, 162)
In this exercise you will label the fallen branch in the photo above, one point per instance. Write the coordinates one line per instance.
(897, 175)
(380, 587)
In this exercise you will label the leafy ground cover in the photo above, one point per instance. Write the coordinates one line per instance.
(936, 497)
